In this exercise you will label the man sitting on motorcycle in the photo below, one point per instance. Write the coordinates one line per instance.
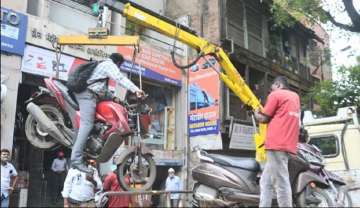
(95, 92)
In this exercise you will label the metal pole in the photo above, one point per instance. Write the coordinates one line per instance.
(154, 192)
(187, 150)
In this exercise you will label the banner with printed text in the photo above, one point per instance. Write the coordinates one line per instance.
(13, 31)
(43, 62)
(204, 95)
(153, 63)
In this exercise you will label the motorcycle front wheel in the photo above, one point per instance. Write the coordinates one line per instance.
(137, 172)
(315, 197)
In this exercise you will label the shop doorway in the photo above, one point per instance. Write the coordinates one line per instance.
(33, 164)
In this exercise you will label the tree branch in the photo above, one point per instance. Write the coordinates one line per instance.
(352, 13)
(352, 28)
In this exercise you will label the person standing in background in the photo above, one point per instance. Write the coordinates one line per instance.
(111, 183)
(173, 183)
(8, 175)
(59, 168)
(80, 188)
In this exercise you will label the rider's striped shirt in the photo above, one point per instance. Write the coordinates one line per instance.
(107, 69)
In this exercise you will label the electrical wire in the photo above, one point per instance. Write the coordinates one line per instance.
(80, 10)
(131, 30)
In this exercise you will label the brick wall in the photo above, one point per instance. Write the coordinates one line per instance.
(208, 26)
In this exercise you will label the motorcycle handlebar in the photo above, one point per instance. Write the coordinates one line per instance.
(200, 154)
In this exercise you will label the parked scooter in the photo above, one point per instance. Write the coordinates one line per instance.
(227, 181)
(54, 119)
(337, 185)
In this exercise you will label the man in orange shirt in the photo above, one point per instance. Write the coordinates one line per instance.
(281, 112)
(111, 183)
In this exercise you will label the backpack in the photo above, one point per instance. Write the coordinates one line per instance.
(77, 79)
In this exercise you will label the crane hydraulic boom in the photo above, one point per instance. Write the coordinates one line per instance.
(146, 18)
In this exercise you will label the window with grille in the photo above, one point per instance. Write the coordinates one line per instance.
(328, 145)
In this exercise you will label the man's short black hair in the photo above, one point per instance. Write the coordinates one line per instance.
(117, 58)
(282, 80)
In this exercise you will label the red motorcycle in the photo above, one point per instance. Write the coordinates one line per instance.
(54, 120)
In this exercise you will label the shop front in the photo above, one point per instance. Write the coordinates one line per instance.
(37, 63)
(13, 35)
(160, 79)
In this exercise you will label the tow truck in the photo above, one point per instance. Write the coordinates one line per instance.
(338, 137)
(151, 20)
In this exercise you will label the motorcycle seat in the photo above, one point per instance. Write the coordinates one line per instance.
(237, 162)
(66, 95)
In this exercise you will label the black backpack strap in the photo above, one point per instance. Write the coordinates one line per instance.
(99, 80)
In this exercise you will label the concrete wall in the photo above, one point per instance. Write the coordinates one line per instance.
(17, 5)
(155, 5)
(204, 16)
(10, 69)
(41, 32)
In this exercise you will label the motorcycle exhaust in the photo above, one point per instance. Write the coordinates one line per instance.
(46, 124)
(249, 198)
(213, 203)
(235, 195)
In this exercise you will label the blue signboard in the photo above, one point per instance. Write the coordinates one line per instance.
(13, 31)
(127, 66)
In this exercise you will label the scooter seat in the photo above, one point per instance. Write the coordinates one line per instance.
(238, 162)
(66, 95)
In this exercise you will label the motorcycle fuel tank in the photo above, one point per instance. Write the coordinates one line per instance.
(116, 115)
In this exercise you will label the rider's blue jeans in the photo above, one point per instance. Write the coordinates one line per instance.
(87, 105)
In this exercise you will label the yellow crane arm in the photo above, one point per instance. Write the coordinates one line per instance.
(107, 40)
(230, 76)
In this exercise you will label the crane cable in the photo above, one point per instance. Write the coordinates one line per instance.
(201, 54)
(58, 51)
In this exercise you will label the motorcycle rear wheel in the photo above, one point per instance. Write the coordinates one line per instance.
(33, 132)
(326, 200)
(148, 174)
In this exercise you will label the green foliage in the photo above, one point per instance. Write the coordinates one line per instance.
(331, 95)
(287, 12)
(281, 17)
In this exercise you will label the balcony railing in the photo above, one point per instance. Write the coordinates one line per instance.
(290, 63)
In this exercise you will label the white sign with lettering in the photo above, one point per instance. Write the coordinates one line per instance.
(242, 137)
(43, 62)
(43, 33)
